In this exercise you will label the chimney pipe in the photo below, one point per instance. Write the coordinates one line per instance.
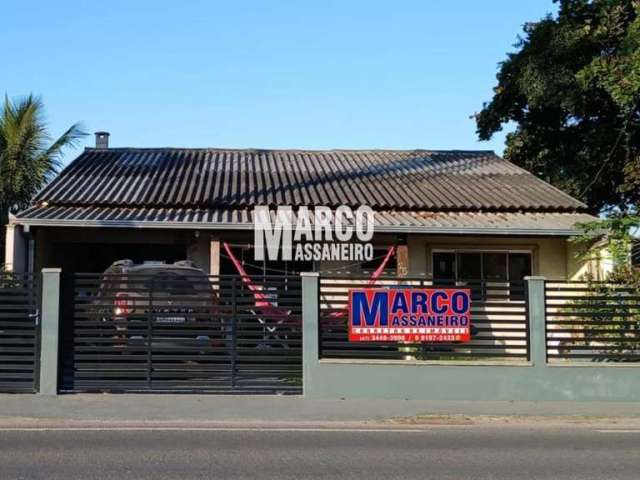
(102, 139)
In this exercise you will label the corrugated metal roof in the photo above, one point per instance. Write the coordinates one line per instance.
(236, 179)
(533, 223)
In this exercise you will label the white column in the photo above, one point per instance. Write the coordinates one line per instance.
(9, 243)
(214, 257)
(14, 249)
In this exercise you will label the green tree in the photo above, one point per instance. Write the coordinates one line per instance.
(609, 312)
(572, 91)
(29, 157)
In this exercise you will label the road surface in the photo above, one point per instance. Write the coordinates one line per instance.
(438, 452)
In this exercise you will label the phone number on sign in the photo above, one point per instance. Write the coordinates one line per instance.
(411, 338)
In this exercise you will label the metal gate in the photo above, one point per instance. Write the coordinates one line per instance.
(19, 332)
(167, 334)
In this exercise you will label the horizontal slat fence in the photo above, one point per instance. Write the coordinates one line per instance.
(19, 332)
(498, 320)
(209, 334)
(592, 322)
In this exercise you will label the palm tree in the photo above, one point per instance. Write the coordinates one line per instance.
(28, 156)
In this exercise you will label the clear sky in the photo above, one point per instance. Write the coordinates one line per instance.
(264, 74)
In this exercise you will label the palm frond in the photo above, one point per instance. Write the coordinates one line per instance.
(28, 156)
(70, 138)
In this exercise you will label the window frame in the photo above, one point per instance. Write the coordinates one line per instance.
(480, 250)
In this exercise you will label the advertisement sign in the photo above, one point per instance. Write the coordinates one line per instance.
(409, 315)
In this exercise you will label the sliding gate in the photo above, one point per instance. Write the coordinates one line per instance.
(171, 333)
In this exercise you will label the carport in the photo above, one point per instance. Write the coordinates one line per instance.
(95, 249)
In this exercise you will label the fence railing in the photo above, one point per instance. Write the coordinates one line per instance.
(221, 334)
(592, 322)
(19, 332)
(499, 327)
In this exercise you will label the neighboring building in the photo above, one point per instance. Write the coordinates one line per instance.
(456, 214)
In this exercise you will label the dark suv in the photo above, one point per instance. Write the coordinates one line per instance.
(177, 300)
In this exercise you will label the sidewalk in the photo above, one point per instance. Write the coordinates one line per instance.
(283, 409)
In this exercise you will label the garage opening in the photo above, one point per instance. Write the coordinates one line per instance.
(97, 257)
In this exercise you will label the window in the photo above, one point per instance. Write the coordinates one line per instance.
(489, 266)
(519, 266)
(379, 253)
(444, 265)
(469, 266)
(494, 266)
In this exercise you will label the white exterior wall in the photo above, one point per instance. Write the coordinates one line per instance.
(15, 249)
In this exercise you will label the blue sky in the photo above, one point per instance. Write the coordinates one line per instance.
(278, 74)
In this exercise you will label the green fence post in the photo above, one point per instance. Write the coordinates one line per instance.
(310, 310)
(536, 313)
(49, 331)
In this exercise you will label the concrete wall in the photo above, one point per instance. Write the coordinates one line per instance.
(333, 379)
(533, 380)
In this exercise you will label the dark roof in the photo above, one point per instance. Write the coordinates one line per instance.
(417, 180)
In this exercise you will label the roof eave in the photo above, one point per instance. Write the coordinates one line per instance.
(415, 229)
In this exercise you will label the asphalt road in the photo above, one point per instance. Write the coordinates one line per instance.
(438, 453)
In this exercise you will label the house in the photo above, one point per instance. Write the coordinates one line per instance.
(453, 214)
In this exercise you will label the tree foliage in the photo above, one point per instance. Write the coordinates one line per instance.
(619, 230)
(572, 89)
(29, 157)
(609, 313)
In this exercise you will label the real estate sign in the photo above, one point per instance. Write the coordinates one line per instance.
(409, 315)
